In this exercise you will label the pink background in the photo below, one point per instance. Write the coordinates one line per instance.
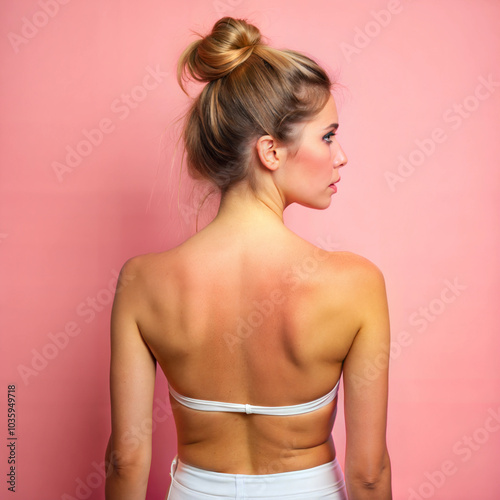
(416, 98)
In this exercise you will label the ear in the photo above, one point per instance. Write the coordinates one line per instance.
(270, 155)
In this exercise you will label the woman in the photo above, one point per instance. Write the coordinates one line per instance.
(251, 324)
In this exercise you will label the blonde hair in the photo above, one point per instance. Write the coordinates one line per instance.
(252, 90)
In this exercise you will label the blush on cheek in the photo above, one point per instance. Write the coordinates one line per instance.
(311, 160)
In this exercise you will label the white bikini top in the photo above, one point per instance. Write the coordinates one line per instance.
(203, 405)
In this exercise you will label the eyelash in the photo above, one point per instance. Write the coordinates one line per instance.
(327, 137)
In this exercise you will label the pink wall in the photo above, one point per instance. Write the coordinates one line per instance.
(88, 98)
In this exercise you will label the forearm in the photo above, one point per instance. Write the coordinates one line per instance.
(126, 485)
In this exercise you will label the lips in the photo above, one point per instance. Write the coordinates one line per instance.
(333, 186)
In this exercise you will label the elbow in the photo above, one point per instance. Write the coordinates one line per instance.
(127, 471)
(371, 483)
(374, 478)
(130, 477)
(371, 477)
(132, 466)
(121, 464)
(130, 480)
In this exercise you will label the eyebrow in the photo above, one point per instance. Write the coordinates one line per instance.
(334, 126)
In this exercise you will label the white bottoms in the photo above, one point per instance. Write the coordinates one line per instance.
(323, 482)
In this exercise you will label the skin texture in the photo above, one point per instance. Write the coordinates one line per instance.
(245, 311)
(314, 167)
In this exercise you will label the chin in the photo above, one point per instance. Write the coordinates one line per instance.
(317, 204)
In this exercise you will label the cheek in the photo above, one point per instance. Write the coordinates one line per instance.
(318, 162)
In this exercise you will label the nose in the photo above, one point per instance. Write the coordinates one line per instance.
(340, 158)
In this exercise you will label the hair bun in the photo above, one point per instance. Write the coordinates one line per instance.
(230, 44)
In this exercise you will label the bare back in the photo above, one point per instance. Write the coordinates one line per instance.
(245, 311)
(253, 319)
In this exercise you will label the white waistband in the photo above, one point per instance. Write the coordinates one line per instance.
(327, 478)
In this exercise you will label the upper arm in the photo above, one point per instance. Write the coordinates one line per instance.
(132, 374)
(366, 377)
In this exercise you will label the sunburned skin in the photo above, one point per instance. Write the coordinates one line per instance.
(205, 296)
(247, 312)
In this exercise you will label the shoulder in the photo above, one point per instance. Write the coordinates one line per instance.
(139, 273)
(366, 295)
(147, 278)
(141, 268)
(356, 269)
(137, 263)
(133, 272)
(353, 282)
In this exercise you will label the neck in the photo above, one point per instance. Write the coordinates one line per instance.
(242, 205)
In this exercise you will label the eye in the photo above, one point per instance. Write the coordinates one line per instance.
(328, 137)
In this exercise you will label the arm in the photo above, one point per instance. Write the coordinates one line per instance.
(367, 465)
(132, 377)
